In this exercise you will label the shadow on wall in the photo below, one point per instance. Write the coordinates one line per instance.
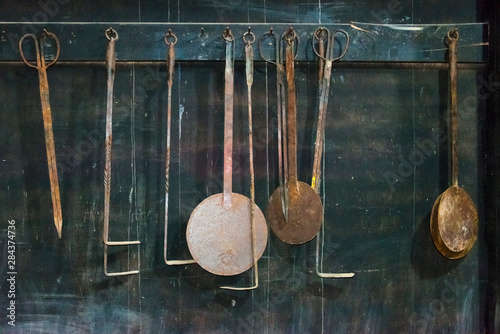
(425, 258)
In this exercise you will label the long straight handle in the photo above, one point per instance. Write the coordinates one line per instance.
(452, 38)
(110, 64)
(249, 75)
(50, 147)
(170, 40)
(318, 148)
(291, 114)
(110, 67)
(170, 82)
(228, 120)
(320, 132)
(282, 142)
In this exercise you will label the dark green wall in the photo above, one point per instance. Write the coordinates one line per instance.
(374, 226)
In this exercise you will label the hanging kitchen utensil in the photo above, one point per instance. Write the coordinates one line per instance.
(219, 232)
(324, 88)
(280, 112)
(454, 219)
(41, 65)
(170, 40)
(304, 209)
(325, 62)
(249, 39)
(112, 36)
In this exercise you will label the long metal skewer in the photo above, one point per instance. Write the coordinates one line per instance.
(170, 40)
(112, 36)
(42, 66)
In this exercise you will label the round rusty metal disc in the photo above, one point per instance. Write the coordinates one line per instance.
(305, 215)
(454, 223)
(220, 239)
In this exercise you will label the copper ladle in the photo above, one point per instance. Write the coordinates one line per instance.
(454, 220)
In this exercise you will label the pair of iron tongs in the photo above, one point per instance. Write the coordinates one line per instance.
(326, 58)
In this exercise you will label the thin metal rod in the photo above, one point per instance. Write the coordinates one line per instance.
(282, 132)
(452, 38)
(291, 114)
(170, 40)
(228, 120)
(110, 66)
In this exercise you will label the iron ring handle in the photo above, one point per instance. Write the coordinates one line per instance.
(172, 35)
(317, 35)
(228, 35)
(343, 32)
(290, 35)
(289, 40)
(261, 39)
(37, 50)
(58, 46)
(452, 35)
(252, 36)
(109, 34)
(330, 41)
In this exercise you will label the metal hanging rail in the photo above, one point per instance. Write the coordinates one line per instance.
(375, 43)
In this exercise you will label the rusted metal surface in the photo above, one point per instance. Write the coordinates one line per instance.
(112, 36)
(452, 39)
(220, 237)
(219, 232)
(454, 223)
(280, 112)
(454, 219)
(322, 34)
(41, 66)
(378, 43)
(325, 60)
(170, 40)
(305, 215)
(249, 76)
(110, 68)
(304, 208)
(249, 39)
(228, 119)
